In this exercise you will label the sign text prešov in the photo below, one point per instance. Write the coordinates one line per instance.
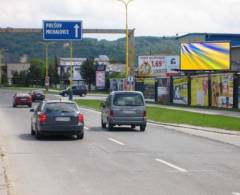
(62, 30)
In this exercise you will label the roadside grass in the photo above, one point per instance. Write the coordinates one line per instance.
(95, 104)
(165, 115)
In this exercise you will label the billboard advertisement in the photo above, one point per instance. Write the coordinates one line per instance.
(180, 90)
(118, 84)
(205, 56)
(155, 65)
(100, 79)
(199, 91)
(100, 76)
(149, 88)
(222, 90)
(163, 90)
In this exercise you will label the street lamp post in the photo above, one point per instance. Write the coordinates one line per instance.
(46, 44)
(126, 3)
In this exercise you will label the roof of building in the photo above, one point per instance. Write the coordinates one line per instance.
(210, 34)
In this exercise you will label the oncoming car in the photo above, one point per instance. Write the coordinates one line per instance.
(57, 117)
(37, 95)
(124, 108)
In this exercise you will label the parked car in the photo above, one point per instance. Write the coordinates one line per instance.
(58, 118)
(124, 108)
(37, 95)
(22, 99)
(76, 90)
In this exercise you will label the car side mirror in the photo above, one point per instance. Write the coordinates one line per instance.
(32, 110)
(102, 104)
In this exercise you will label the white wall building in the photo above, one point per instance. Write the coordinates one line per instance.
(65, 65)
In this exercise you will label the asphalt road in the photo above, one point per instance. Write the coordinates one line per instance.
(122, 162)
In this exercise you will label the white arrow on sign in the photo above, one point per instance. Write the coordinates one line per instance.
(76, 27)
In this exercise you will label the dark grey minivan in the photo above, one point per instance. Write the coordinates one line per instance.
(124, 108)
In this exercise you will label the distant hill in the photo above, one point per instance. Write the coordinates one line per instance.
(20, 44)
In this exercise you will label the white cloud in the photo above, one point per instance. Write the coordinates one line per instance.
(149, 17)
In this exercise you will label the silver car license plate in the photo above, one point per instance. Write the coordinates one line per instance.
(64, 119)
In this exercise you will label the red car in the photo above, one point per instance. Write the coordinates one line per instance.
(22, 99)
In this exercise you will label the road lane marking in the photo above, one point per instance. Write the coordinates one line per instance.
(236, 193)
(116, 141)
(171, 165)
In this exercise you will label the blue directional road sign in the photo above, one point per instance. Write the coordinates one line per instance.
(62, 30)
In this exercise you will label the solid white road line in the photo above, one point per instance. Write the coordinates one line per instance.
(235, 193)
(171, 165)
(116, 141)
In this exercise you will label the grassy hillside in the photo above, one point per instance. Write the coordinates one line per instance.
(19, 44)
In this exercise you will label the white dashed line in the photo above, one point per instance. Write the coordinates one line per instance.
(171, 165)
(235, 193)
(116, 141)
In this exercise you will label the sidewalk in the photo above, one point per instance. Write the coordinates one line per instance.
(3, 184)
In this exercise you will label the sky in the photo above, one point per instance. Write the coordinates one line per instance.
(148, 17)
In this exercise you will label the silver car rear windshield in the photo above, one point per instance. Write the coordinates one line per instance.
(128, 100)
(60, 107)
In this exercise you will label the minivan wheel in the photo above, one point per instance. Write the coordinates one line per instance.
(142, 127)
(103, 124)
(110, 127)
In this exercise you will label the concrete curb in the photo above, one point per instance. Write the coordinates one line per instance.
(198, 128)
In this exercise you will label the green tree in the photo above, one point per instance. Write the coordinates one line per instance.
(53, 71)
(88, 71)
(36, 72)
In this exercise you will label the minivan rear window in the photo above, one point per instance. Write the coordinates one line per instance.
(128, 100)
(60, 107)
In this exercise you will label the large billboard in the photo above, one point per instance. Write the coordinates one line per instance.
(199, 91)
(155, 65)
(180, 90)
(205, 56)
(222, 90)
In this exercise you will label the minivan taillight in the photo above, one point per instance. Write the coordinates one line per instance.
(81, 118)
(111, 113)
(42, 117)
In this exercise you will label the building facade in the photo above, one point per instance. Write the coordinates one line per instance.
(11, 68)
(65, 67)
